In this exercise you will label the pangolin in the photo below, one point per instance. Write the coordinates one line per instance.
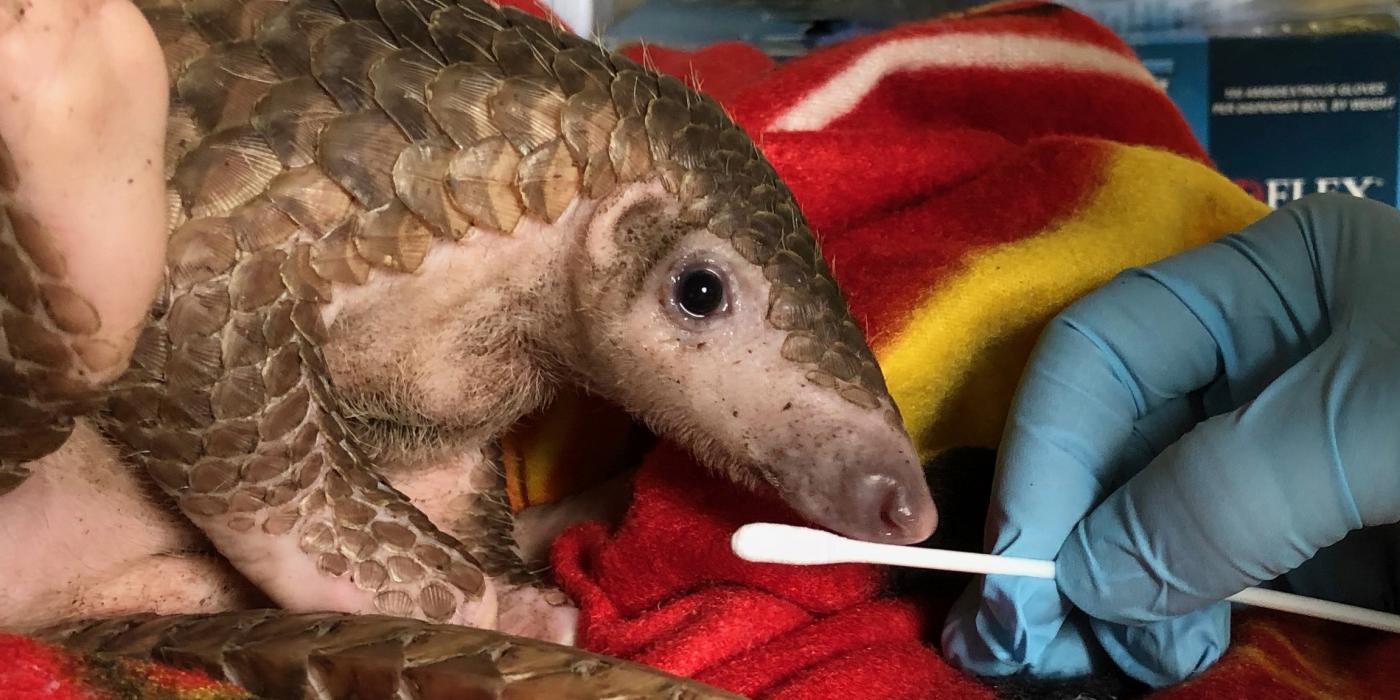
(397, 226)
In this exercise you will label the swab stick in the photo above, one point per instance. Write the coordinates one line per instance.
(788, 544)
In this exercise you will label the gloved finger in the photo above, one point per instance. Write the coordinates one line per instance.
(1170, 651)
(988, 646)
(1248, 495)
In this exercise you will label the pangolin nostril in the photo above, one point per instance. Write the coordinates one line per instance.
(896, 513)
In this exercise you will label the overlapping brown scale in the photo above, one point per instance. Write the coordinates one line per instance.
(664, 120)
(463, 34)
(343, 58)
(283, 370)
(586, 122)
(195, 363)
(242, 341)
(549, 36)
(632, 92)
(754, 247)
(599, 178)
(670, 87)
(200, 250)
(481, 182)
(352, 512)
(310, 199)
(629, 150)
(222, 86)
(225, 171)
(735, 140)
(358, 9)
(392, 237)
(286, 38)
(408, 20)
(789, 309)
(840, 362)
(517, 56)
(284, 414)
(526, 111)
(136, 405)
(370, 575)
(301, 279)
(291, 117)
(207, 506)
(220, 20)
(692, 146)
(213, 475)
(149, 355)
(457, 100)
(239, 393)
(260, 224)
(420, 180)
(334, 257)
(803, 347)
(199, 312)
(175, 215)
(582, 67)
(400, 83)
(548, 180)
(358, 151)
(306, 318)
(257, 280)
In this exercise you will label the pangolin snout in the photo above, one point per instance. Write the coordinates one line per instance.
(889, 507)
(872, 490)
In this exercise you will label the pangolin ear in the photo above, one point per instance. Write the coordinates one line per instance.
(624, 210)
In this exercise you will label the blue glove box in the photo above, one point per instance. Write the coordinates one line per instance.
(1288, 116)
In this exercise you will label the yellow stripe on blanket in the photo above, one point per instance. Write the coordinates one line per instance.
(955, 364)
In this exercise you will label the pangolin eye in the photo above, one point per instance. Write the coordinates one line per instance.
(699, 291)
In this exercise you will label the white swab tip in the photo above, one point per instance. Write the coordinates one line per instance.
(785, 544)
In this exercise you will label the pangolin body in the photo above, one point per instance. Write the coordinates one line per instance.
(313, 147)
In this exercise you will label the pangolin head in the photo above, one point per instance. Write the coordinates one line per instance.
(714, 316)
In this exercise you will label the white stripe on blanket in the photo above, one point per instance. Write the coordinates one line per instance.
(844, 90)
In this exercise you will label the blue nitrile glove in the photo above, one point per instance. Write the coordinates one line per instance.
(1196, 427)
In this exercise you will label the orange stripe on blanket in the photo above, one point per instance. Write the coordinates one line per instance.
(954, 364)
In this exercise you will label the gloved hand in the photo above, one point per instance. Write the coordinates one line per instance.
(1225, 417)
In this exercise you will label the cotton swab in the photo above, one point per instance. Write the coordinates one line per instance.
(788, 544)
